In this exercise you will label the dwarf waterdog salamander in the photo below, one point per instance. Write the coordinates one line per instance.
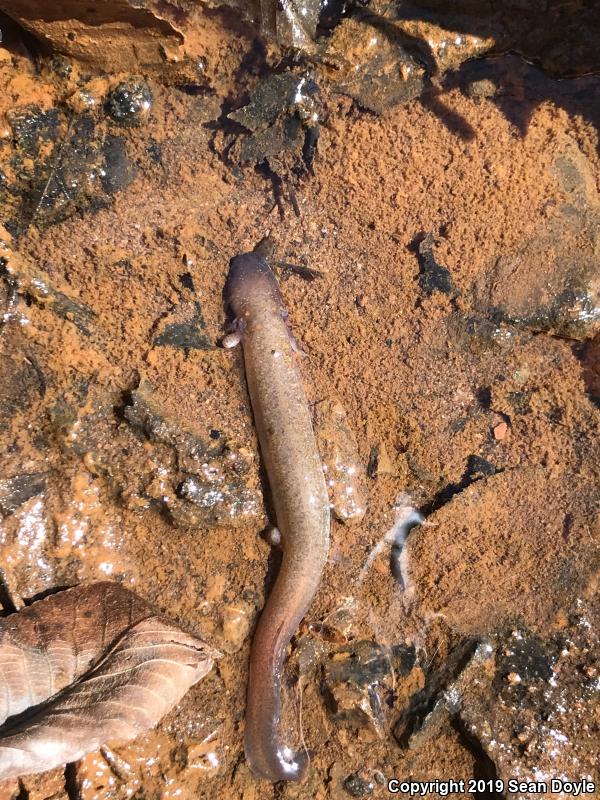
(295, 474)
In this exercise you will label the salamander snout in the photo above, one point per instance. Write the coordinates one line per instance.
(250, 280)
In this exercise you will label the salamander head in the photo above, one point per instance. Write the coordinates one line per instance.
(251, 286)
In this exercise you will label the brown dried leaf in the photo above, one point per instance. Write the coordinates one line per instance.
(93, 664)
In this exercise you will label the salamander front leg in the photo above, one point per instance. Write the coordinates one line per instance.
(236, 331)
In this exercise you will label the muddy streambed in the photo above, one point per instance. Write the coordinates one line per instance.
(429, 192)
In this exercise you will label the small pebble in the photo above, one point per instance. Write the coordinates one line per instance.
(129, 102)
(235, 626)
(500, 431)
(82, 100)
(357, 786)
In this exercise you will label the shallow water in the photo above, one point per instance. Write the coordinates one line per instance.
(450, 358)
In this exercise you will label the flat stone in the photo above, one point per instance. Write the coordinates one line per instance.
(551, 282)
(515, 545)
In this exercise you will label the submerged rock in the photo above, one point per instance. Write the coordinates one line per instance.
(365, 662)
(552, 283)
(483, 560)
(277, 95)
(359, 786)
(33, 126)
(17, 490)
(523, 658)
(434, 277)
(22, 385)
(63, 165)
(184, 328)
(479, 334)
(358, 683)
(36, 285)
(428, 709)
(375, 67)
(195, 482)
(282, 119)
(293, 23)
(118, 171)
(533, 704)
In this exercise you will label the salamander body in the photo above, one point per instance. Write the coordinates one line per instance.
(295, 474)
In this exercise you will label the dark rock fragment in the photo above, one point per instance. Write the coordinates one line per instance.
(31, 127)
(551, 283)
(282, 120)
(358, 683)
(365, 662)
(434, 277)
(214, 496)
(196, 482)
(186, 280)
(22, 383)
(184, 329)
(479, 334)
(145, 417)
(184, 336)
(522, 655)
(17, 490)
(273, 97)
(423, 703)
(61, 66)
(376, 68)
(69, 186)
(65, 307)
(118, 171)
(519, 401)
(154, 151)
(80, 315)
(478, 466)
(295, 22)
(63, 165)
(533, 707)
